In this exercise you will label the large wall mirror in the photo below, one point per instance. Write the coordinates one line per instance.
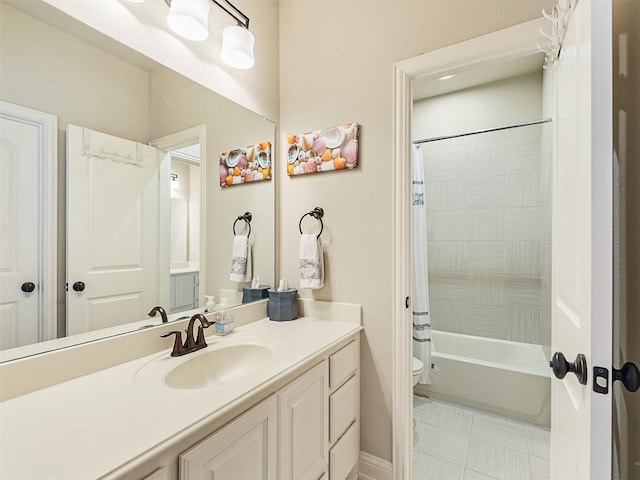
(119, 109)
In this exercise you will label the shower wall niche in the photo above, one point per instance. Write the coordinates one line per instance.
(488, 201)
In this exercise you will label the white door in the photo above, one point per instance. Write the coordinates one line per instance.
(27, 155)
(582, 245)
(112, 230)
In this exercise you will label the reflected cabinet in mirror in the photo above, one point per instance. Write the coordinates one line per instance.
(111, 196)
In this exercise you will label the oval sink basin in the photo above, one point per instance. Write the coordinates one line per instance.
(222, 364)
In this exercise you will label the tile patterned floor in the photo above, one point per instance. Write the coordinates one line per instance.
(458, 443)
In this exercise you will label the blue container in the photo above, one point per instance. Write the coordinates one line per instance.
(250, 294)
(283, 306)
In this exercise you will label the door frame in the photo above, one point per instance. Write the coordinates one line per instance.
(511, 43)
(47, 126)
(166, 144)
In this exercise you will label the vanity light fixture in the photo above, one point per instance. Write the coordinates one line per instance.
(190, 18)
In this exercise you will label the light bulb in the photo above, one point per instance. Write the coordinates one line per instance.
(237, 47)
(189, 19)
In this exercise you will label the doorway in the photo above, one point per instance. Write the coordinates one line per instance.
(183, 166)
(184, 237)
(482, 188)
(513, 43)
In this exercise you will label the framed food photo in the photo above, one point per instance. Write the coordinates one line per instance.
(245, 165)
(326, 150)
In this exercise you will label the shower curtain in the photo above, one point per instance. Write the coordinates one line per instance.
(421, 318)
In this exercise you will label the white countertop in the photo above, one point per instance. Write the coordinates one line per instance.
(86, 427)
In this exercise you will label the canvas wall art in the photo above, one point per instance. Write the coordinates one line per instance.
(326, 150)
(246, 165)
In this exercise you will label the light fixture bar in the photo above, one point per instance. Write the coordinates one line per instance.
(244, 22)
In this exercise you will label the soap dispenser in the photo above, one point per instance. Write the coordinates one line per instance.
(211, 304)
(224, 319)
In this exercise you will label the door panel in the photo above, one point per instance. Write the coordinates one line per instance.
(112, 230)
(582, 226)
(19, 245)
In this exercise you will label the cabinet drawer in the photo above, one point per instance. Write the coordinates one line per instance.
(343, 408)
(160, 474)
(343, 363)
(344, 455)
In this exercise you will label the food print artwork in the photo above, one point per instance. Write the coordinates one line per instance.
(245, 165)
(325, 150)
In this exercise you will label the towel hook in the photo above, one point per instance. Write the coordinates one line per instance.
(247, 218)
(316, 213)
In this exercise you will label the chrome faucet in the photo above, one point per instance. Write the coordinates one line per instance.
(190, 344)
(159, 310)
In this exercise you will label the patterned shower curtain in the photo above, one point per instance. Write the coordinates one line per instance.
(421, 318)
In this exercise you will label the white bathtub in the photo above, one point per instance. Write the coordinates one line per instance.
(498, 376)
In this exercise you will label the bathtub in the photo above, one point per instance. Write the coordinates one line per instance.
(498, 376)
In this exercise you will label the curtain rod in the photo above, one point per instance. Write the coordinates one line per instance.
(486, 130)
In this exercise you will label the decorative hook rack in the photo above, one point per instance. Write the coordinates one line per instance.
(246, 216)
(316, 213)
(559, 18)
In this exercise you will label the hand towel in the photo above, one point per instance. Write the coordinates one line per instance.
(241, 259)
(311, 262)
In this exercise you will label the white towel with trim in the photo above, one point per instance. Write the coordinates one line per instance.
(311, 262)
(241, 259)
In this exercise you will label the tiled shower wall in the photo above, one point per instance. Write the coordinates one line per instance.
(489, 231)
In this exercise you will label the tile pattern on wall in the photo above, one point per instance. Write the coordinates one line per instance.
(489, 238)
(458, 443)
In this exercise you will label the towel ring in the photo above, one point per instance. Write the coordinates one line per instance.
(247, 218)
(316, 213)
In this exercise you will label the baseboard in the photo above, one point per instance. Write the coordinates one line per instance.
(374, 468)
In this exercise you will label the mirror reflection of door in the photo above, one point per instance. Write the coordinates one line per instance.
(184, 237)
(27, 219)
(113, 239)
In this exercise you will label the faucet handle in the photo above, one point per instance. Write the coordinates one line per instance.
(200, 341)
(178, 347)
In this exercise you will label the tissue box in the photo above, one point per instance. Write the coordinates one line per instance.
(283, 306)
(250, 294)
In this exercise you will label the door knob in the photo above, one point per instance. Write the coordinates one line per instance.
(629, 375)
(78, 286)
(28, 287)
(561, 367)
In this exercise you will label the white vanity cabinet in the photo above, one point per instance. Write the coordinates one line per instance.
(308, 430)
(244, 448)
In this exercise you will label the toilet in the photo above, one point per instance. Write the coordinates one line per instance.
(417, 370)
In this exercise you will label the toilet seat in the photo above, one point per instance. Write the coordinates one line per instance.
(417, 366)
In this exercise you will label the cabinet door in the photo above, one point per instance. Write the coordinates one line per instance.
(246, 448)
(303, 417)
(184, 294)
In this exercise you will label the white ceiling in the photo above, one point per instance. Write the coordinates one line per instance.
(471, 76)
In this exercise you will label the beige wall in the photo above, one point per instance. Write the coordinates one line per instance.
(336, 62)
(39, 71)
